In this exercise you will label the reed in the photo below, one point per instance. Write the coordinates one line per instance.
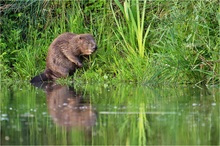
(132, 29)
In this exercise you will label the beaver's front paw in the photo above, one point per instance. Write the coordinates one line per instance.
(79, 64)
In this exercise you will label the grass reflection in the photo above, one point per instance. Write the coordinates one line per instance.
(124, 115)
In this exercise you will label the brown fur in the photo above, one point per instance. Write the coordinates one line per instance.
(65, 55)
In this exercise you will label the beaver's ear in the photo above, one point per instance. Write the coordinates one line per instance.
(80, 37)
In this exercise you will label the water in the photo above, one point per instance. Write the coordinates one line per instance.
(109, 115)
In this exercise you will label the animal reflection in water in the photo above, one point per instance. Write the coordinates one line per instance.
(68, 108)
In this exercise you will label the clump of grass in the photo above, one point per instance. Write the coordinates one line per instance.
(186, 50)
(132, 29)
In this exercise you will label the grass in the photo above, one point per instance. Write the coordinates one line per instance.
(134, 35)
(139, 41)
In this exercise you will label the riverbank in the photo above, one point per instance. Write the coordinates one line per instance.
(140, 42)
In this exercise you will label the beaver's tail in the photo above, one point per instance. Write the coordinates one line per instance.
(40, 78)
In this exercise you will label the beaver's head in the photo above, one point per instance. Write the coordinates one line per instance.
(86, 44)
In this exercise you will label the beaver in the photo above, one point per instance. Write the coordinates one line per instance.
(65, 55)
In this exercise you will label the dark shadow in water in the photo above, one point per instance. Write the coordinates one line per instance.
(67, 108)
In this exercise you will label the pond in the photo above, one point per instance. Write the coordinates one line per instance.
(122, 114)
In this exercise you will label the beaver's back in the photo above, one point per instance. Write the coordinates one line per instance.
(56, 61)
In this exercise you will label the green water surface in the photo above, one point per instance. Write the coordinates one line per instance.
(122, 114)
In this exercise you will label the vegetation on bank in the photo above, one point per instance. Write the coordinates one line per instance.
(138, 41)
